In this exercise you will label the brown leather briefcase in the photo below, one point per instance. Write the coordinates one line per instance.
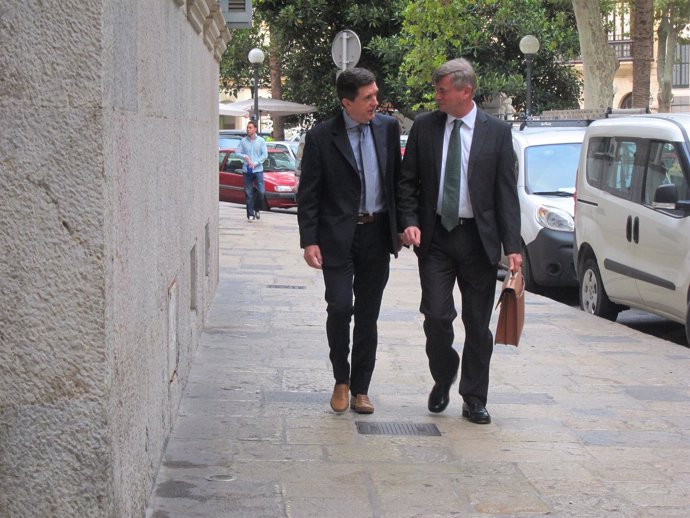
(512, 315)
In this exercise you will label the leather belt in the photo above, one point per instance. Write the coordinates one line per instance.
(461, 221)
(368, 218)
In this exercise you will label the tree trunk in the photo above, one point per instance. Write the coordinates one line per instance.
(642, 51)
(598, 58)
(666, 45)
(275, 64)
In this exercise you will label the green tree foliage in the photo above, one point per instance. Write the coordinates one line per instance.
(404, 40)
(488, 34)
(307, 29)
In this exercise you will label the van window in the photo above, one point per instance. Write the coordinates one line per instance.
(663, 168)
(612, 164)
(597, 160)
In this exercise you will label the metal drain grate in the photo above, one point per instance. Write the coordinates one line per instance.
(286, 287)
(419, 429)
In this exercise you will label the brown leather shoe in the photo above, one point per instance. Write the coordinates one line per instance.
(339, 397)
(361, 404)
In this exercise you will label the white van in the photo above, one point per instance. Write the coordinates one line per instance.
(546, 159)
(632, 217)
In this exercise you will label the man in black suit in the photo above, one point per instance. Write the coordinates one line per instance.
(457, 203)
(348, 229)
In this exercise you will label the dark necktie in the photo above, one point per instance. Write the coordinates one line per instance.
(451, 184)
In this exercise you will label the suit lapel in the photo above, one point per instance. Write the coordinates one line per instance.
(438, 128)
(342, 142)
(479, 136)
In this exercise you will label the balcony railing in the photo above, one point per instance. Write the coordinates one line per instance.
(623, 49)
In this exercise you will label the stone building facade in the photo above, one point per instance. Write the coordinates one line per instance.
(108, 234)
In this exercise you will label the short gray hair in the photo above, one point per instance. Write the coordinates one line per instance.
(461, 72)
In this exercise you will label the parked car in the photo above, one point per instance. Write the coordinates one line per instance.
(403, 144)
(632, 224)
(279, 179)
(546, 158)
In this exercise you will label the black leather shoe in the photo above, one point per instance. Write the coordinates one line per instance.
(439, 397)
(476, 413)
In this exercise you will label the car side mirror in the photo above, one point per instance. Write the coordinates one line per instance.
(666, 197)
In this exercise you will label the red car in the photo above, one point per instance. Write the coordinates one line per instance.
(279, 179)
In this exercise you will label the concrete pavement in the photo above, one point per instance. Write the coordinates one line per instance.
(590, 418)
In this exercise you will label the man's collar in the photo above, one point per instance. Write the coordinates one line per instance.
(468, 120)
(349, 121)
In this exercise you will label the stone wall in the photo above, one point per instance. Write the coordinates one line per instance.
(108, 218)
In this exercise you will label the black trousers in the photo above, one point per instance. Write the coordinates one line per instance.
(458, 256)
(355, 287)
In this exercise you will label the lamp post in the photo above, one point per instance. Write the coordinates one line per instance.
(256, 57)
(529, 46)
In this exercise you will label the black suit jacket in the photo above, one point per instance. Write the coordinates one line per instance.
(491, 179)
(330, 187)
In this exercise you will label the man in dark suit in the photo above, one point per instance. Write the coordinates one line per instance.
(457, 203)
(347, 224)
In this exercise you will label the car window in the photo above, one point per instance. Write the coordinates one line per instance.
(664, 168)
(233, 163)
(618, 177)
(551, 168)
(279, 161)
(612, 165)
(597, 160)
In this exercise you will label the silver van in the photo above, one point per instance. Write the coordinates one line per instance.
(632, 217)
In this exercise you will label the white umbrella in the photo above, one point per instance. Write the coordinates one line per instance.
(227, 109)
(272, 106)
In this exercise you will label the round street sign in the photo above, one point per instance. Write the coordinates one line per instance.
(346, 49)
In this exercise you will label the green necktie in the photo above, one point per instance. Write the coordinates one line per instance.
(451, 185)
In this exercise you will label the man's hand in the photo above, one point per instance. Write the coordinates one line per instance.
(312, 255)
(514, 262)
(411, 236)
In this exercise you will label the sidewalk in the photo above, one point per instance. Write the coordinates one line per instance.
(590, 418)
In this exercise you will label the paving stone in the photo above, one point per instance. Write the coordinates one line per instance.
(590, 419)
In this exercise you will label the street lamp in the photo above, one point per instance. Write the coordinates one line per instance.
(256, 57)
(529, 46)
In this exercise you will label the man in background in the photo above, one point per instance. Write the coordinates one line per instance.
(254, 152)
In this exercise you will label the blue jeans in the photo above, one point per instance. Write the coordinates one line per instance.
(252, 180)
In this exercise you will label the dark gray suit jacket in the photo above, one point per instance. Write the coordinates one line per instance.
(491, 178)
(329, 188)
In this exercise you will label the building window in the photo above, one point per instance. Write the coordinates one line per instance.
(619, 31)
(681, 67)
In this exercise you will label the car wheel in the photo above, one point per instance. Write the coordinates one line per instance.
(530, 284)
(593, 297)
